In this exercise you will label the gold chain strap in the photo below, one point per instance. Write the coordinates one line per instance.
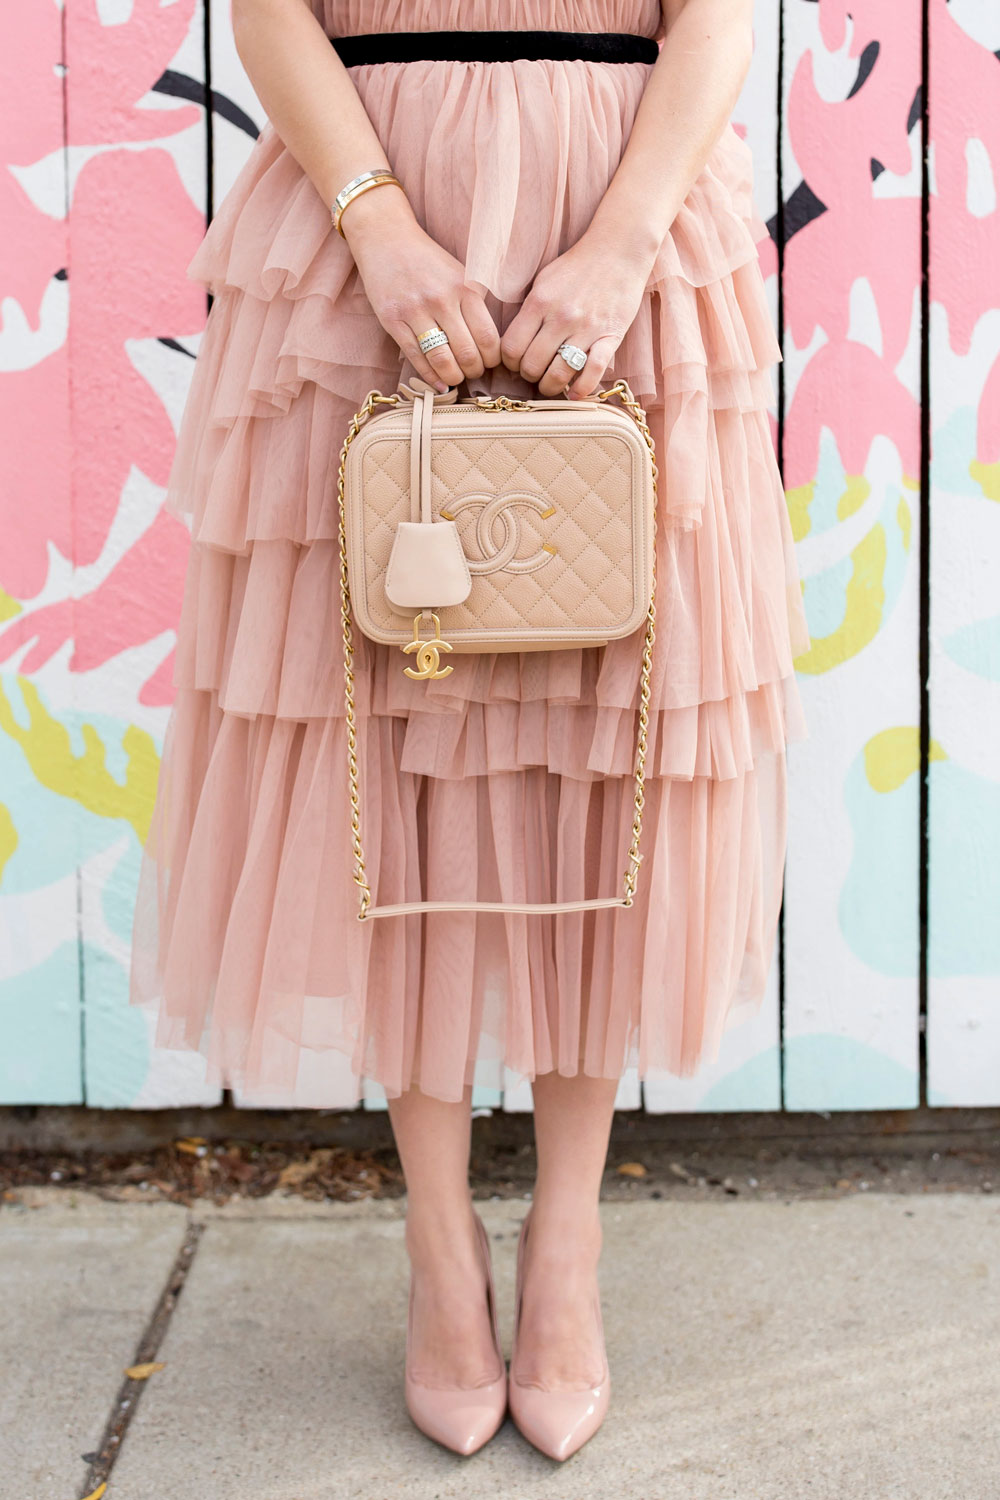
(376, 398)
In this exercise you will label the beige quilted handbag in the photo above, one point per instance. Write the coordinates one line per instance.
(496, 524)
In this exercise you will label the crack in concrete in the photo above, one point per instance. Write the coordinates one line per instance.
(102, 1460)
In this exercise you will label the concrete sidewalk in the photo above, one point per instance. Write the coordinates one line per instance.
(837, 1350)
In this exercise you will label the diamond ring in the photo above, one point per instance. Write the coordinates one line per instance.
(574, 356)
(432, 339)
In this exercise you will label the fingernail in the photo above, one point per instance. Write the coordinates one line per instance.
(440, 386)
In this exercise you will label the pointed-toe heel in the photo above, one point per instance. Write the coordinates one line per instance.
(556, 1422)
(461, 1418)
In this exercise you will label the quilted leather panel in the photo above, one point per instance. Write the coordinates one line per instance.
(589, 467)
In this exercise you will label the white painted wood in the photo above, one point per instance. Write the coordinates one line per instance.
(40, 1059)
(963, 989)
(374, 1095)
(517, 1097)
(851, 994)
(121, 1067)
(237, 113)
(629, 1095)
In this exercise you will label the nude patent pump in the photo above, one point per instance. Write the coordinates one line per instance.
(463, 1418)
(557, 1422)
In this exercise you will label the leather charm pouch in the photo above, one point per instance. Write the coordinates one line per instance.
(427, 567)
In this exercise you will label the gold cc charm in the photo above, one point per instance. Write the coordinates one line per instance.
(428, 652)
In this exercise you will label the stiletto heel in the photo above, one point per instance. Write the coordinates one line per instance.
(557, 1422)
(462, 1418)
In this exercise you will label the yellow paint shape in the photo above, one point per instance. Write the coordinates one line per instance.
(905, 521)
(894, 754)
(857, 492)
(799, 501)
(85, 778)
(911, 483)
(9, 606)
(987, 476)
(864, 603)
(8, 837)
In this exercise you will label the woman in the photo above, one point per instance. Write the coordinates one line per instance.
(564, 199)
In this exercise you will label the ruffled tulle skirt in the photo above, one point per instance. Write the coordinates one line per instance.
(511, 778)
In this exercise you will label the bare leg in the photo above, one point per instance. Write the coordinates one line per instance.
(559, 1340)
(452, 1337)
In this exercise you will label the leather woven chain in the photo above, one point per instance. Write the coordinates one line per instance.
(634, 857)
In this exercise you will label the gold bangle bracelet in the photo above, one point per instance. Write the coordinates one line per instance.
(355, 192)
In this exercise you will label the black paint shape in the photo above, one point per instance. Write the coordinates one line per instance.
(182, 86)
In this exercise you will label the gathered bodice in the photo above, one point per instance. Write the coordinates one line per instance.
(353, 17)
(504, 163)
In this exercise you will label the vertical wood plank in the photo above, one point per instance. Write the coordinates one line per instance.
(40, 1034)
(136, 133)
(963, 1000)
(852, 193)
(746, 1074)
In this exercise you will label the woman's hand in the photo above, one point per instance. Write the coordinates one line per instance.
(587, 296)
(413, 284)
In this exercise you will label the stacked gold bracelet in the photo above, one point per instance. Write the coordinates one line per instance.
(355, 188)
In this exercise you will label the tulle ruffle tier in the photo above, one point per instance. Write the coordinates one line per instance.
(511, 778)
(244, 875)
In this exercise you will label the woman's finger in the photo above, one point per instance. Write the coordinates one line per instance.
(483, 329)
(460, 357)
(584, 382)
(520, 333)
(438, 366)
(541, 363)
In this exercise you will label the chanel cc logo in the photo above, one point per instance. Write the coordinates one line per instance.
(500, 551)
(428, 652)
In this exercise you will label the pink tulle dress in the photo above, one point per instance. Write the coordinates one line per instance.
(510, 779)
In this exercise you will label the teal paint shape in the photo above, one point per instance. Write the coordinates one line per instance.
(119, 889)
(754, 1085)
(826, 598)
(831, 481)
(964, 878)
(40, 1032)
(954, 443)
(976, 647)
(826, 1071)
(117, 1050)
(878, 908)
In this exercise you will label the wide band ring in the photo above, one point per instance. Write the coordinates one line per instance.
(432, 339)
(574, 356)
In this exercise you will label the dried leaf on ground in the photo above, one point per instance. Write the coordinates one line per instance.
(298, 1172)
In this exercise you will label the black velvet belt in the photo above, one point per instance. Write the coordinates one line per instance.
(494, 46)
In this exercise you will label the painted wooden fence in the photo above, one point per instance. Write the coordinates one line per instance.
(883, 266)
